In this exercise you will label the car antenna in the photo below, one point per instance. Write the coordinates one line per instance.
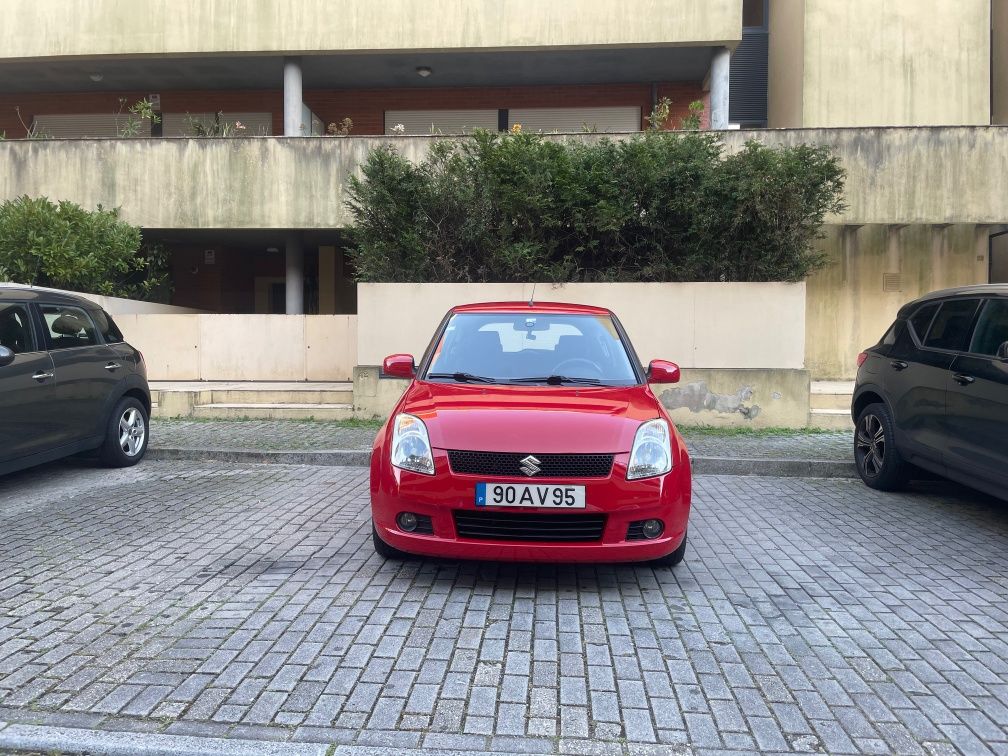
(532, 295)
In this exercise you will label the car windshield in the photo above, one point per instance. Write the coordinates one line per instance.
(532, 348)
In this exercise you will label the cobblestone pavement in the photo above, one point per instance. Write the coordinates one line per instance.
(302, 436)
(244, 600)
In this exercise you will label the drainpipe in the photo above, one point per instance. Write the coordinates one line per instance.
(720, 68)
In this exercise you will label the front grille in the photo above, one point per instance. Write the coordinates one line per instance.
(635, 532)
(509, 464)
(502, 526)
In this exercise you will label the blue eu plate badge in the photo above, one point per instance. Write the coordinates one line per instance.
(481, 494)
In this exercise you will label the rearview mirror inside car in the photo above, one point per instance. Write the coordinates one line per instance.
(6, 356)
(662, 371)
(398, 366)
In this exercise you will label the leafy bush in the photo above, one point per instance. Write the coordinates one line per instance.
(65, 246)
(659, 207)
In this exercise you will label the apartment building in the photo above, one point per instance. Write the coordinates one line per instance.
(301, 90)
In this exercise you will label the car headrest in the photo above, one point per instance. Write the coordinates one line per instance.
(68, 324)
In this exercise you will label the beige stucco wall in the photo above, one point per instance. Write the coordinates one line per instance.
(847, 306)
(712, 325)
(244, 347)
(999, 61)
(890, 63)
(897, 175)
(786, 63)
(41, 28)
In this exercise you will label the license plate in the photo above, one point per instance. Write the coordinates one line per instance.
(529, 495)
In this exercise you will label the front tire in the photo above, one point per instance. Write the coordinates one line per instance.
(671, 560)
(877, 460)
(383, 550)
(126, 434)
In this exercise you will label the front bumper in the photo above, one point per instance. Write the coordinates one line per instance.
(666, 497)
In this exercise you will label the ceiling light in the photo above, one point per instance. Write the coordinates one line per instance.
(96, 77)
(424, 71)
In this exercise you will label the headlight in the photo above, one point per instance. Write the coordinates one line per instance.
(411, 448)
(652, 451)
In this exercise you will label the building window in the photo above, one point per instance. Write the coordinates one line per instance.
(754, 14)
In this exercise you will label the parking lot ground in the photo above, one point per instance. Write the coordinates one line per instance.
(196, 601)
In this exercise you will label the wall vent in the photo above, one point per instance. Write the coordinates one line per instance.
(892, 282)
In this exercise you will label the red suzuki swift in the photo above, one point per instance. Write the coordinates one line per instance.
(529, 433)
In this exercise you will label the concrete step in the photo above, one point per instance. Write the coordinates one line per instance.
(831, 395)
(283, 396)
(831, 419)
(273, 411)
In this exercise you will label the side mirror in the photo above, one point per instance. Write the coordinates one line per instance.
(399, 366)
(1002, 351)
(6, 356)
(662, 371)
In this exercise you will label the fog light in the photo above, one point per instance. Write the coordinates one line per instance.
(652, 528)
(407, 521)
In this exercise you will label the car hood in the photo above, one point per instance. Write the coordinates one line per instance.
(531, 419)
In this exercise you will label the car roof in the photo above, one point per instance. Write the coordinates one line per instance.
(11, 292)
(543, 307)
(977, 290)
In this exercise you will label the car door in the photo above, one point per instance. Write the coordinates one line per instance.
(977, 415)
(87, 371)
(27, 426)
(915, 378)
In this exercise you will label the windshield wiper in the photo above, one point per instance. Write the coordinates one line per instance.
(463, 377)
(556, 380)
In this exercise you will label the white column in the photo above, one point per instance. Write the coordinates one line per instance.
(292, 97)
(295, 275)
(720, 68)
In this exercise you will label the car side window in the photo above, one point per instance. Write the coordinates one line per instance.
(921, 319)
(950, 328)
(15, 329)
(68, 327)
(107, 328)
(991, 334)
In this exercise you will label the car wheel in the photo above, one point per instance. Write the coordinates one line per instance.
(126, 435)
(671, 560)
(878, 461)
(383, 549)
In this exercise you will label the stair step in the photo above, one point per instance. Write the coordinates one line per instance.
(274, 411)
(831, 419)
(259, 396)
(830, 401)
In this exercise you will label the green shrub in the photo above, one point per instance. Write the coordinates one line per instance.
(65, 246)
(658, 207)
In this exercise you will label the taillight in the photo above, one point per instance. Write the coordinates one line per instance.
(861, 358)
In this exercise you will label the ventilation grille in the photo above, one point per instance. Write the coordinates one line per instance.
(500, 526)
(892, 282)
(509, 464)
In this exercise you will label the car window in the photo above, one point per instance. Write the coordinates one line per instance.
(15, 329)
(951, 326)
(990, 336)
(68, 327)
(107, 328)
(889, 338)
(922, 319)
(515, 346)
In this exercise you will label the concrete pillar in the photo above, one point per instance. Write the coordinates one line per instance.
(327, 271)
(295, 275)
(719, 71)
(292, 97)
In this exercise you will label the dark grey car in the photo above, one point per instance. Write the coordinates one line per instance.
(69, 383)
(933, 393)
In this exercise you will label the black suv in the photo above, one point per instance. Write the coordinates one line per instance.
(934, 392)
(68, 382)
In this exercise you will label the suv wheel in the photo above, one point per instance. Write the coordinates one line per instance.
(878, 461)
(126, 435)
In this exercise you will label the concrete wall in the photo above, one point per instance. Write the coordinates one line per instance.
(899, 175)
(40, 28)
(999, 61)
(786, 63)
(849, 307)
(244, 347)
(882, 62)
(709, 325)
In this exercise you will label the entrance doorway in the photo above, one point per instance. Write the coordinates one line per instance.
(998, 256)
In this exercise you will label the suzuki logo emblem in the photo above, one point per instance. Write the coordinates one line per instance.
(530, 466)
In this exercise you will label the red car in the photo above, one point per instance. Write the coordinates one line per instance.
(529, 433)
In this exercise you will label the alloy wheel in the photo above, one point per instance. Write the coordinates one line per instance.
(870, 445)
(132, 432)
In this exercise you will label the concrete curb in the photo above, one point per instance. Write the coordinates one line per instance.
(777, 468)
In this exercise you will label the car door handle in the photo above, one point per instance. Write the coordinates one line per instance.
(43, 376)
(899, 365)
(113, 366)
(962, 379)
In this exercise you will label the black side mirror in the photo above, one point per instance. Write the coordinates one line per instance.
(1002, 351)
(6, 356)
